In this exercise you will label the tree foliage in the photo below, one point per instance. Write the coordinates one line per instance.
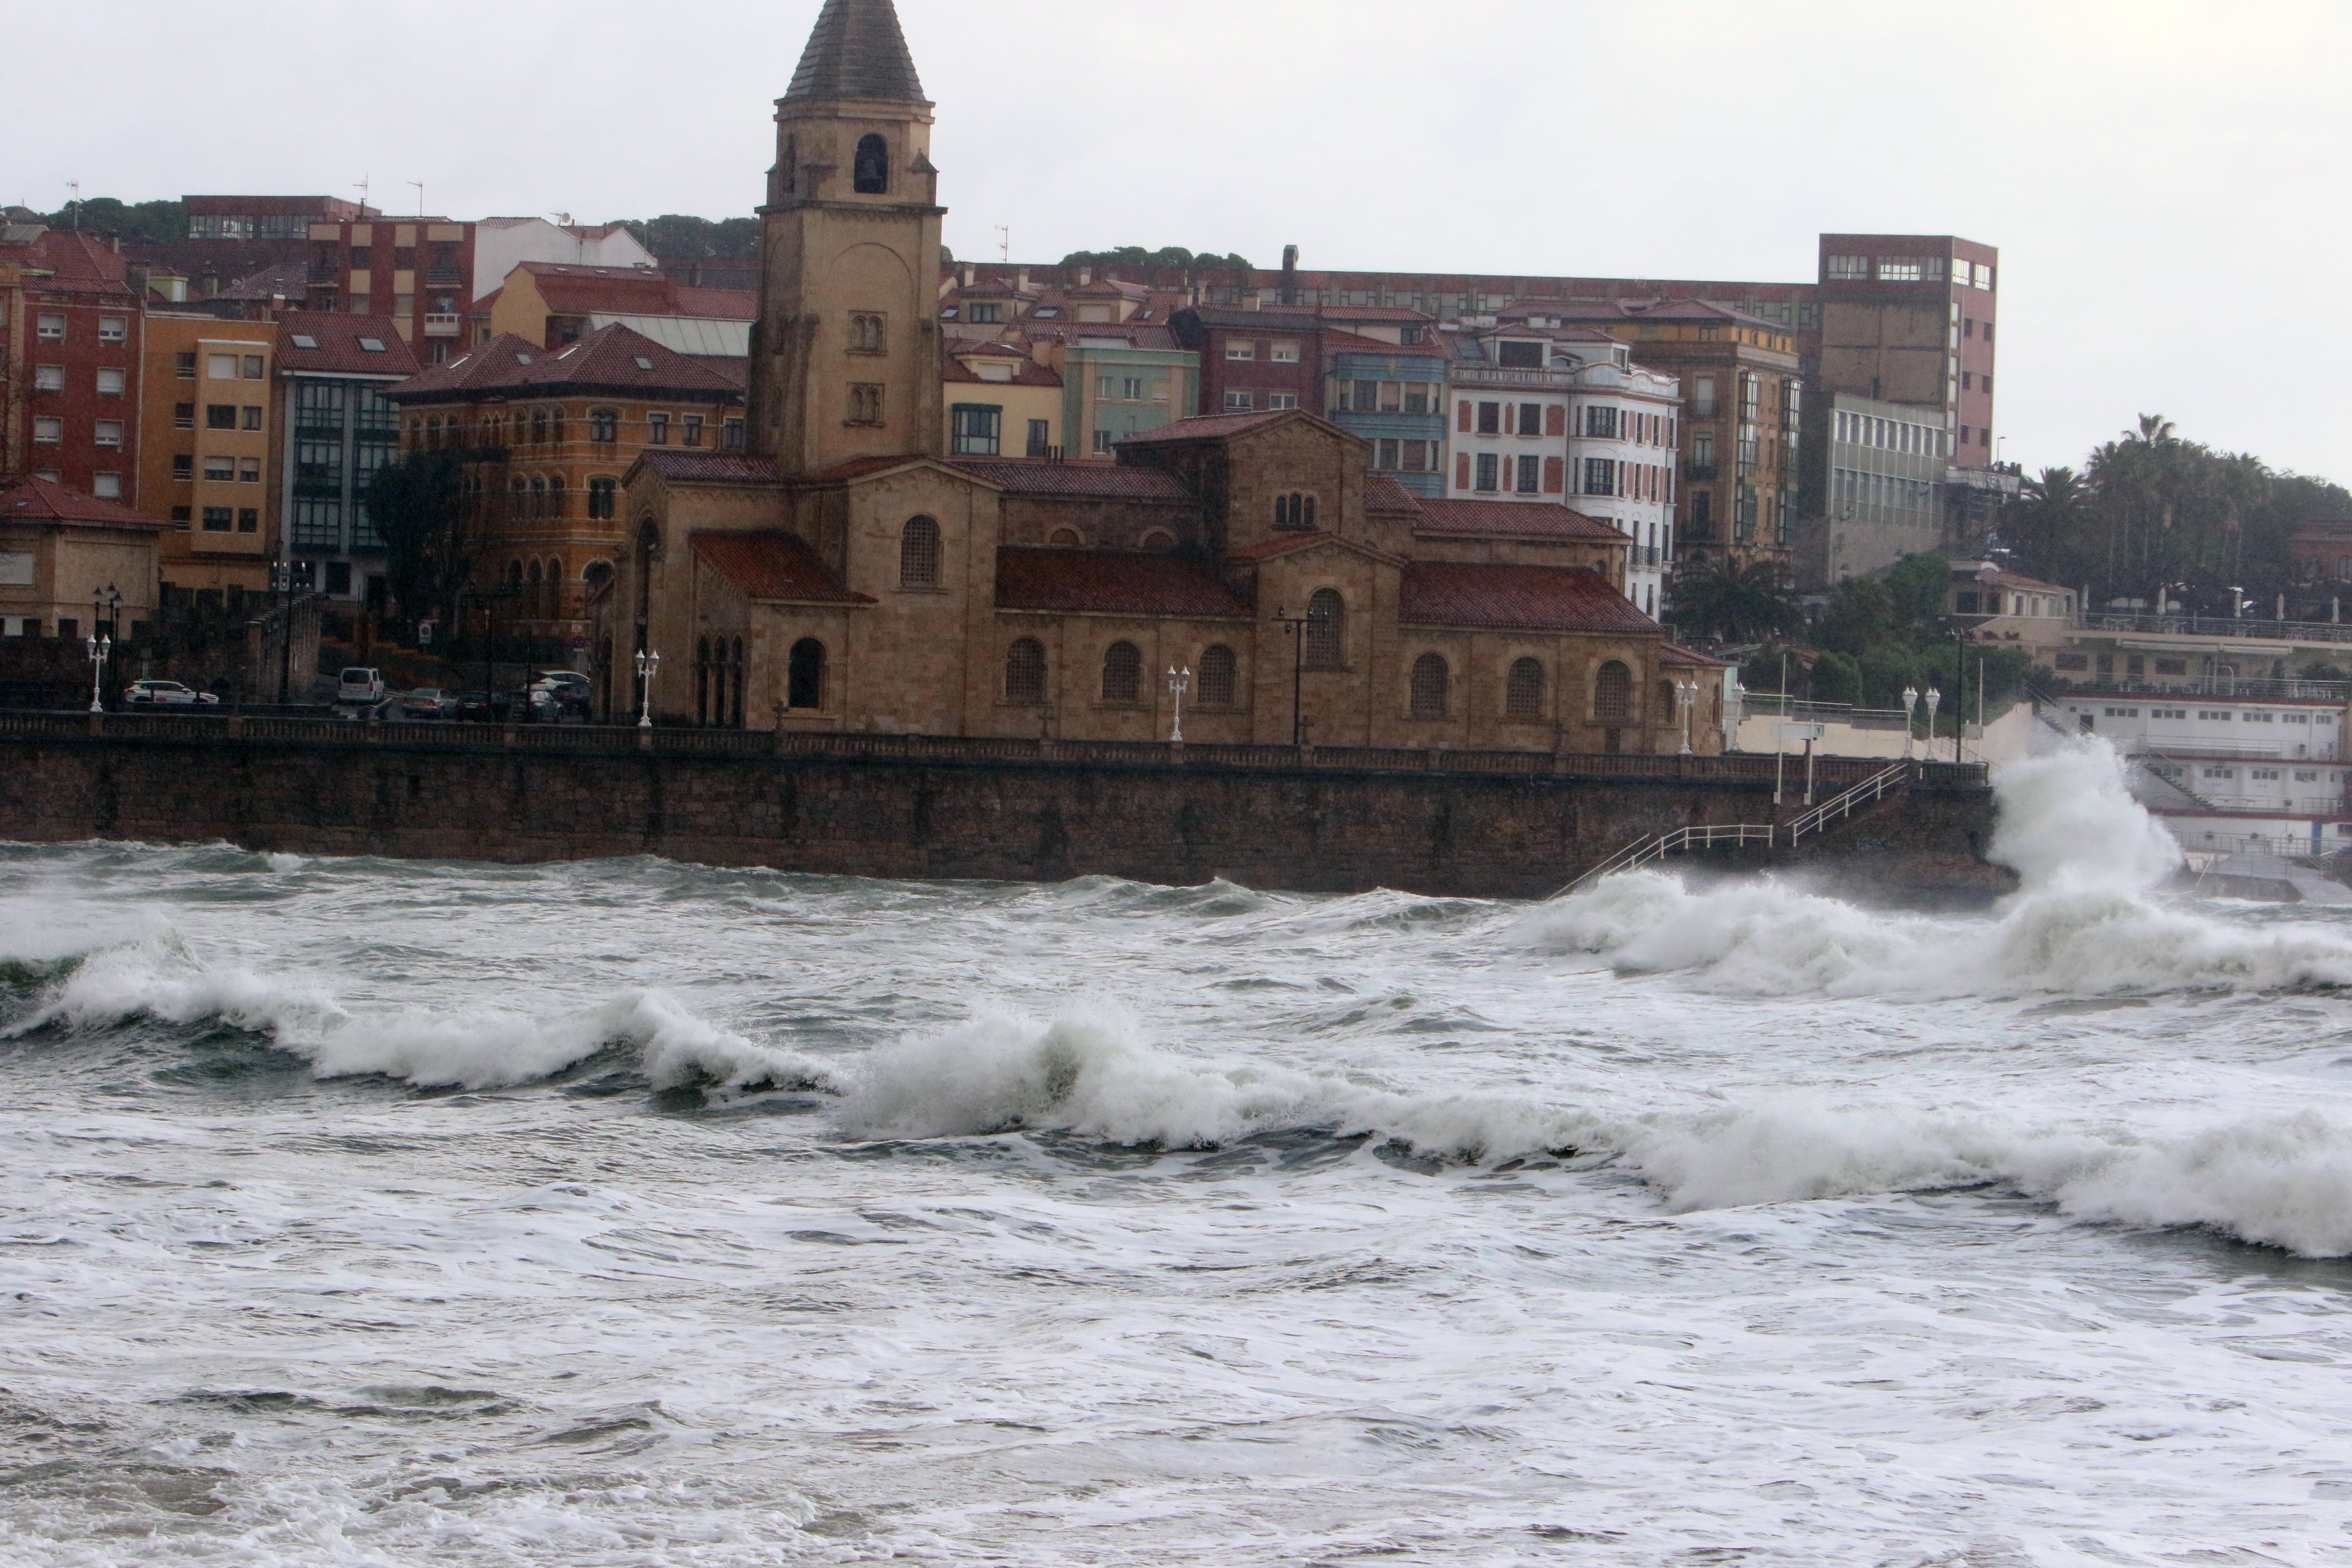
(432, 531)
(2152, 515)
(1166, 256)
(157, 221)
(1727, 601)
(678, 236)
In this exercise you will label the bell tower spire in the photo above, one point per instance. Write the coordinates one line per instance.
(845, 358)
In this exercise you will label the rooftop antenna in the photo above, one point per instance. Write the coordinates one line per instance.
(75, 186)
(420, 196)
(362, 189)
(1004, 246)
(563, 218)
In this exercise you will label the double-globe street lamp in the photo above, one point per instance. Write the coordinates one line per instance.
(105, 611)
(648, 662)
(1179, 681)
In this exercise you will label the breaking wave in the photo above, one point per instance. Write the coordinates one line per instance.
(2086, 919)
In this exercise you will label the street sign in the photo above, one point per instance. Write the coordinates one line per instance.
(424, 633)
(1804, 731)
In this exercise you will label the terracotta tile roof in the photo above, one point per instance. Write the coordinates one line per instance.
(983, 346)
(856, 50)
(1384, 494)
(1690, 659)
(280, 281)
(1025, 373)
(1210, 426)
(1136, 334)
(609, 360)
(1267, 549)
(857, 467)
(1118, 581)
(337, 350)
(77, 263)
(774, 566)
(45, 500)
(1526, 598)
(717, 304)
(1520, 520)
(707, 467)
(1039, 476)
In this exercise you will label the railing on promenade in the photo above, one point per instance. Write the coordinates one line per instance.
(215, 728)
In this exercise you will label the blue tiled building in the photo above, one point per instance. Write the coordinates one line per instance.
(1393, 395)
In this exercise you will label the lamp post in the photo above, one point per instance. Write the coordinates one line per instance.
(1689, 694)
(648, 662)
(1179, 681)
(1960, 692)
(1910, 702)
(100, 648)
(1298, 624)
(1934, 697)
(282, 584)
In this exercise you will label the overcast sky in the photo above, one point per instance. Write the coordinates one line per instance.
(2165, 178)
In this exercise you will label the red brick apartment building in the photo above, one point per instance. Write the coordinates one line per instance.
(70, 337)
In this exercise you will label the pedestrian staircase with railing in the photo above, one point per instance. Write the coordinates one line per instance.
(1771, 836)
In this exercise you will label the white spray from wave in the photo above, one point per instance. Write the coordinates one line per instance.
(2086, 919)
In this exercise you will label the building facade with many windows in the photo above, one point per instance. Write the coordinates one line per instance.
(209, 412)
(1393, 395)
(72, 330)
(333, 431)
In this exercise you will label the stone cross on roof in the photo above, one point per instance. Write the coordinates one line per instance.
(856, 50)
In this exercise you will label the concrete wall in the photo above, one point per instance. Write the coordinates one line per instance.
(1312, 828)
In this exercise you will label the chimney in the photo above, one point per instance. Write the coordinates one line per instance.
(1021, 279)
(970, 272)
(1086, 275)
(1290, 275)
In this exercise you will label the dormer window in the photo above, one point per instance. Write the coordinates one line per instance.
(983, 313)
(871, 173)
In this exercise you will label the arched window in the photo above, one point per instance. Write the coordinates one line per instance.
(539, 425)
(1024, 671)
(1160, 539)
(603, 425)
(918, 553)
(522, 499)
(735, 662)
(555, 502)
(597, 574)
(603, 494)
(1326, 629)
(1308, 520)
(1218, 676)
(805, 686)
(530, 601)
(872, 169)
(538, 498)
(1613, 694)
(1294, 513)
(1430, 680)
(558, 431)
(1523, 690)
(1065, 536)
(1668, 709)
(866, 334)
(702, 682)
(432, 431)
(1122, 673)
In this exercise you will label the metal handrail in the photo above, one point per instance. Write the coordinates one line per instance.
(1658, 846)
(1862, 794)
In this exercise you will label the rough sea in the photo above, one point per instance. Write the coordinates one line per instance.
(634, 1213)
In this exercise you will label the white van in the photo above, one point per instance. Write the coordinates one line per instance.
(360, 684)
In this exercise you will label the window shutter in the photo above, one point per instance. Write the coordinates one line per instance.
(1554, 475)
(1462, 462)
(1555, 423)
(1462, 421)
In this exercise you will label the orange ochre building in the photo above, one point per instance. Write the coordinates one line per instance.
(843, 573)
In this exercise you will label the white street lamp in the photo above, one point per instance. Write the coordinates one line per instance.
(1689, 691)
(101, 648)
(1179, 681)
(1934, 697)
(1910, 703)
(648, 662)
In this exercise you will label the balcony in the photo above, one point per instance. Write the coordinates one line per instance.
(442, 326)
(443, 277)
(1696, 470)
(325, 272)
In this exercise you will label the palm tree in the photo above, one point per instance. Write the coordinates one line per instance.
(2154, 430)
(1729, 602)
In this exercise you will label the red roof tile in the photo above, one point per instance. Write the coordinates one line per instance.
(1384, 494)
(1518, 519)
(1526, 598)
(1339, 342)
(1210, 426)
(718, 304)
(709, 468)
(1690, 659)
(774, 566)
(609, 359)
(857, 467)
(1267, 549)
(1113, 581)
(45, 500)
(336, 350)
(1040, 476)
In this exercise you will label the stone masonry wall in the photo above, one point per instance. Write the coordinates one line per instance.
(1313, 829)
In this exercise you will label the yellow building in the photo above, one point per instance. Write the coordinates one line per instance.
(1000, 402)
(206, 388)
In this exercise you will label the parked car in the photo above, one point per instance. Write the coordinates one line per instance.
(166, 692)
(569, 689)
(429, 702)
(360, 684)
(480, 707)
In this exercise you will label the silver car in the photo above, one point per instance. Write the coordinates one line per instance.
(170, 693)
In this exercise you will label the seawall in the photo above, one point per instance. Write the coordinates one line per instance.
(1471, 825)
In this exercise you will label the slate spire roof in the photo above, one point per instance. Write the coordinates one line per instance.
(856, 50)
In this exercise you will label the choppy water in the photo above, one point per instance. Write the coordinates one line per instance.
(633, 1213)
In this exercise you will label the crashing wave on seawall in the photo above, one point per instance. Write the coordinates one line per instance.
(2087, 918)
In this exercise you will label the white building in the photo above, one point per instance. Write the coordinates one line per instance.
(2231, 765)
(503, 243)
(1544, 410)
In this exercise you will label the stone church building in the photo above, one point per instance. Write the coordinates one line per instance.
(841, 573)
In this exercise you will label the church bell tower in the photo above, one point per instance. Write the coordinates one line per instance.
(845, 357)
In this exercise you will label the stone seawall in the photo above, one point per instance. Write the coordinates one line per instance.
(1310, 826)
